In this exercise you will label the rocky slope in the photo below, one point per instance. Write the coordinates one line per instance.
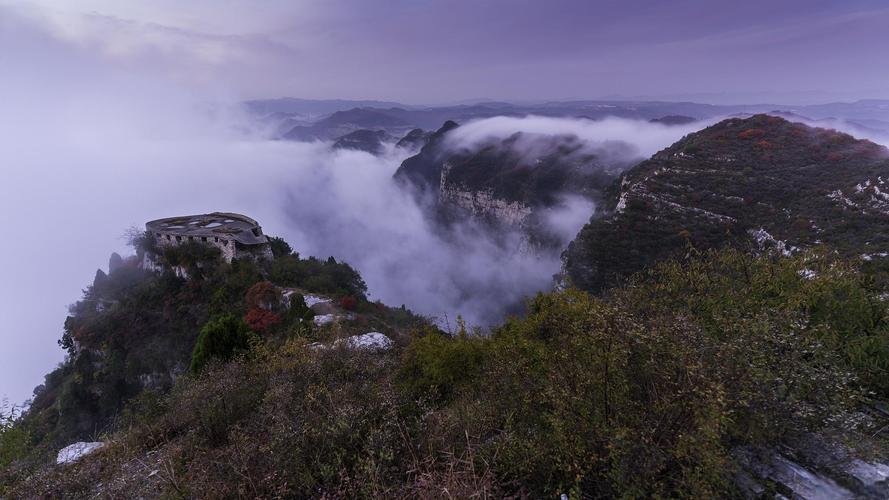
(760, 181)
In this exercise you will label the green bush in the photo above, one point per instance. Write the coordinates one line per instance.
(14, 437)
(437, 365)
(828, 297)
(220, 338)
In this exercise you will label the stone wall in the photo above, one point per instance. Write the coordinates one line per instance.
(228, 247)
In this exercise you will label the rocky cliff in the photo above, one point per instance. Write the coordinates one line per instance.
(506, 181)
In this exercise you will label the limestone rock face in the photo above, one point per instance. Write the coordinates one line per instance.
(371, 341)
(513, 184)
(482, 203)
(76, 451)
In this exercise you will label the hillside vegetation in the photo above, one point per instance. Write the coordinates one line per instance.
(762, 183)
(138, 331)
(648, 391)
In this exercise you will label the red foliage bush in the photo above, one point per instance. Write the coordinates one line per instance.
(348, 302)
(263, 295)
(764, 144)
(752, 133)
(259, 320)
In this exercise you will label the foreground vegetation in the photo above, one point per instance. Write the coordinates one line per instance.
(645, 391)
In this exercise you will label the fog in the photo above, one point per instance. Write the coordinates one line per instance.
(90, 148)
(620, 139)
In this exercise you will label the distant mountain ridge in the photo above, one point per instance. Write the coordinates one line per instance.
(317, 107)
(301, 119)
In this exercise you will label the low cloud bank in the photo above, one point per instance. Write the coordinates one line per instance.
(614, 139)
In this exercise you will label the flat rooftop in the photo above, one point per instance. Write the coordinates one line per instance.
(226, 225)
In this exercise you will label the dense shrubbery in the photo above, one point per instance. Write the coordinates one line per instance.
(838, 306)
(642, 393)
(330, 276)
(437, 366)
(136, 329)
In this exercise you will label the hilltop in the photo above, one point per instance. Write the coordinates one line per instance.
(136, 329)
(761, 182)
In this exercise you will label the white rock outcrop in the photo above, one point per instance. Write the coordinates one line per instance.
(76, 451)
(323, 319)
(371, 341)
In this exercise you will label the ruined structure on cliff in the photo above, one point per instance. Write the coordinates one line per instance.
(236, 236)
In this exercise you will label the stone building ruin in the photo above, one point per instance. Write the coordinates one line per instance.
(236, 236)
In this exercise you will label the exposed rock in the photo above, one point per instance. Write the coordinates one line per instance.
(870, 474)
(371, 341)
(99, 278)
(511, 183)
(76, 451)
(323, 319)
(482, 203)
(115, 262)
(312, 300)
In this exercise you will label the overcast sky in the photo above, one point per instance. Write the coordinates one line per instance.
(430, 51)
(99, 101)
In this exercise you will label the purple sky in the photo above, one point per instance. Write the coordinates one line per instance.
(432, 51)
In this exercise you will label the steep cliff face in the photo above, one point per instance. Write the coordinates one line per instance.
(506, 181)
(761, 182)
(481, 203)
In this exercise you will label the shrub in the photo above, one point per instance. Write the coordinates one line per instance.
(348, 302)
(263, 295)
(260, 320)
(437, 365)
(14, 437)
(220, 338)
(751, 133)
(279, 247)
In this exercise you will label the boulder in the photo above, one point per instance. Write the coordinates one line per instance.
(371, 341)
